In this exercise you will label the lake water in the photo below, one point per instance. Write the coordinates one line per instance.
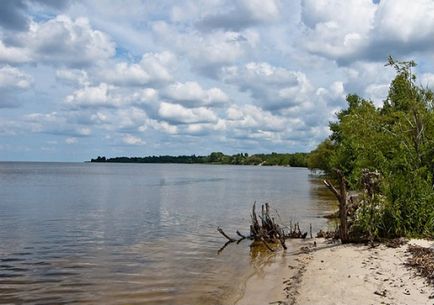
(101, 233)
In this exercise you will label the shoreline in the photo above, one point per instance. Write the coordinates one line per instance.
(333, 273)
(272, 281)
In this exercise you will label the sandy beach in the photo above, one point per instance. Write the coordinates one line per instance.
(340, 274)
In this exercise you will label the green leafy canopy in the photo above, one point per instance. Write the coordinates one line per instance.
(396, 139)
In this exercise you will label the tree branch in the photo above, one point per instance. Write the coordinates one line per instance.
(333, 189)
(225, 235)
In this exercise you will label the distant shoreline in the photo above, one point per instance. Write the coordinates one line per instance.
(217, 164)
(218, 158)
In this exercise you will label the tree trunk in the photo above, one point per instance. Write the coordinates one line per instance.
(342, 198)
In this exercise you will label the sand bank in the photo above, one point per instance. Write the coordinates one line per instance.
(339, 274)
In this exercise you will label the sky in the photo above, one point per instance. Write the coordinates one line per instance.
(80, 79)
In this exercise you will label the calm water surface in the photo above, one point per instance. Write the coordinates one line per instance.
(137, 234)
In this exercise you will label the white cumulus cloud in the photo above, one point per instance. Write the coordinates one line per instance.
(11, 77)
(271, 87)
(191, 94)
(132, 140)
(153, 69)
(93, 96)
(59, 41)
(179, 114)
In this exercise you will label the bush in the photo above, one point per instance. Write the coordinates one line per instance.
(398, 141)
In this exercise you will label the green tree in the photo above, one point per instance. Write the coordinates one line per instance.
(320, 157)
(216, 157)
(398, 141)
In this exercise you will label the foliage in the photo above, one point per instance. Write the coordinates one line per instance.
(321, 156)
(273, 159)
(396, 139)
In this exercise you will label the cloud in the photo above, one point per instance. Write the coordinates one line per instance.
(203, 129)
(9, 127)
(363, 30)
(338, 29)
(13, 55)
(376, 93)
(147, 97)
(368, 79)
(191, 94)
(132, 140)
(105, 95)
(130, 119)
(251, 123)
(197, 129)
(162, 126)
(153, 69)
(71, 140)
(12, 78)
(254, 119)
(402, 27)
(73, 76)
(53, 123)
(178, 114)
(271, 87)
(66, 41)
(427, 80)
(245, 13)
(93, 96)
(13, 15)
(52, 4)
(206, 53)
(59, 41)
(334, 94)
(13, 83)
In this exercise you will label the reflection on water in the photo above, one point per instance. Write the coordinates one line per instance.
(323, 197)
(137, 234)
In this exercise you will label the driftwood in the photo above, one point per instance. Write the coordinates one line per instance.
(230, 239)
(265, 230)
(295, 232)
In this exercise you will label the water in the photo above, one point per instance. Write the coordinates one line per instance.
(137, 233)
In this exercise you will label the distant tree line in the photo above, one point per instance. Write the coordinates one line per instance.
(273, 159)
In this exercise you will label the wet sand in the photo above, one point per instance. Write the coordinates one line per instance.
(339, 274)
(267, 285)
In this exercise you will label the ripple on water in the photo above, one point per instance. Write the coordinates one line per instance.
(117, 234)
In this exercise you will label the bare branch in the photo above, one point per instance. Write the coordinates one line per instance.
(333, 189)
(225, 235)
(241, 235)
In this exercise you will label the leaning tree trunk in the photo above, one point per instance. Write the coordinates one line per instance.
(342, 197)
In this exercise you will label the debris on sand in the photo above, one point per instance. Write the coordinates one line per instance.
(396, 242)
(423, 260)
